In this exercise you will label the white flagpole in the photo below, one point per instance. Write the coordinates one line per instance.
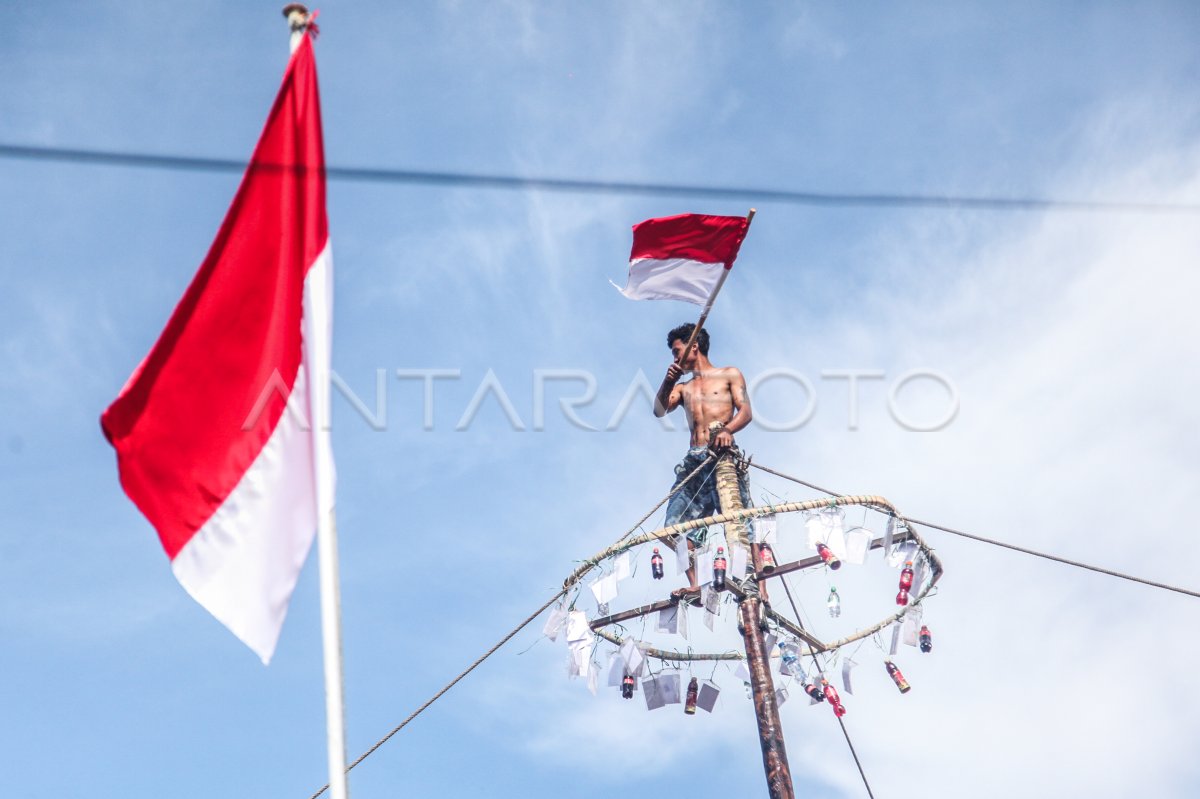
(327, 552)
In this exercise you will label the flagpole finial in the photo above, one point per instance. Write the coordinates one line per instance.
(298, 18)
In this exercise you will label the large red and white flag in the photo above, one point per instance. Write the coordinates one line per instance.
(681, 257)
(221, 433)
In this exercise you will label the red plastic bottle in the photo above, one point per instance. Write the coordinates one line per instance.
(906, 581)
(693, 691)
(831, 560)
(627, 686)
(719, 566)
(926, 639)
(831, 696)
(656, 565)
(897, 677)
(766, 556)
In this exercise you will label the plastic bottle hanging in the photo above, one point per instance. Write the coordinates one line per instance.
(627, 686)
(766, 556)
(926, 639)
(656, 565)
(790, 654)
(834, 603)
(831, 560)
(831, 696)
(812, 690)
(719, 566)
(906, 581)
(693, 690)
(897, 677)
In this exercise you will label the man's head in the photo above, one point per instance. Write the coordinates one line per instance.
(677, 339)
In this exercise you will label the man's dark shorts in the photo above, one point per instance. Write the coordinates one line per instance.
(698, 498)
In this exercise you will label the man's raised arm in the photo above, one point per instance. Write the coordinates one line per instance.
(668, 397)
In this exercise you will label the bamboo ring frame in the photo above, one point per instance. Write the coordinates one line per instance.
(904, 531)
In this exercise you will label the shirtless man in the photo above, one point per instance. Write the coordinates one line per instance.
(713, 395)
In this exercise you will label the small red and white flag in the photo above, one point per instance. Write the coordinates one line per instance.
(222, 432)
(681, 257)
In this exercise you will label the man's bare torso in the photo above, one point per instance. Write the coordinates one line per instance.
(709, 397)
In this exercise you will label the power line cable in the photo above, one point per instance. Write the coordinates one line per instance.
(1013, 547)
(585, 186)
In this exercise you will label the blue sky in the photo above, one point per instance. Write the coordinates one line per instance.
(1070, 339)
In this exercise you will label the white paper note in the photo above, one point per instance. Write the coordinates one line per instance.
(781, 696)
(920, 568)
(669, 683)
(554, 624)
(622, 568)
(902, 554)
(682, 620)
(593, 680)
(616, 669)
(858, 542)
(572, 664)
(682, 561)
(704, 565)
(635, 661)
(889, 533)
(668, 620)
(582, 652)
(765, 529)
(815, 526)
(738, 559)
(895, 638)
(742, 672)
(847, 666)
(577, 626)
(654, 697)
(662, 690)
(836, 540)
(712, 606)
(707, 698)
(912, 625)
(604, 589)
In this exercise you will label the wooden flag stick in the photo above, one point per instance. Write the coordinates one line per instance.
(712, 297)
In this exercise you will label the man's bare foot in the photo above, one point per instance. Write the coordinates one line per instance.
(691, 593)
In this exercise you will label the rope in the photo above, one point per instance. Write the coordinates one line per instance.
(505, 639)
(1057, 559)
(1013, 547)
(821, 669)
(447, 687)
(674, 490)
